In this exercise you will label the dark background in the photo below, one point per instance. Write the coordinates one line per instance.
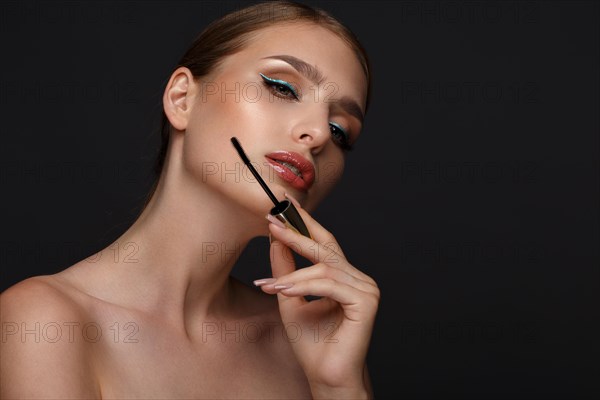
(471, 198)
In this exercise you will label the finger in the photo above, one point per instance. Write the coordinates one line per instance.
(357, 304)
(306, 247)
(316, 252)
(282, 260)
(315, 272)
(317, 231)
(282, 263)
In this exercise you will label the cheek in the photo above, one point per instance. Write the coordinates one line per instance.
(330, 173)
(208, 155)
(207, 151)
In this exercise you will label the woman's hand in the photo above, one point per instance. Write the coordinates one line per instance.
(329, 336)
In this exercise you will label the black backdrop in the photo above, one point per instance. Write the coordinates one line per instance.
(471, 198)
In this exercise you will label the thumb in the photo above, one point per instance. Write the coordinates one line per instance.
(282, 259)
(282, 263)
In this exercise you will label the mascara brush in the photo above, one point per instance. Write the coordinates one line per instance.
(284, 210)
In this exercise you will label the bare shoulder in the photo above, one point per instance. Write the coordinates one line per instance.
(38, 359)
(37, 294)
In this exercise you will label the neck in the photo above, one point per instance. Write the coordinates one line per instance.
(187, 241)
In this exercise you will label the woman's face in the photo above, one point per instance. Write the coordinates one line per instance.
(292, 128)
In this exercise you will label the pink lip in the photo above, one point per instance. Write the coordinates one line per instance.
(302, 164)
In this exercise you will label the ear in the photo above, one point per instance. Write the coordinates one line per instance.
(178, 97)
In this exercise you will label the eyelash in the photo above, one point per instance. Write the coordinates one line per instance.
(344, 143)
(276, 83)
(273, 84)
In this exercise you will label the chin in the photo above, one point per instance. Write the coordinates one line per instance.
(253, 200)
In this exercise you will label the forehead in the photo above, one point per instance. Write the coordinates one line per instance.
(313, 44)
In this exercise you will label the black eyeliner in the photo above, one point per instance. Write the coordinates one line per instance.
(281, 82)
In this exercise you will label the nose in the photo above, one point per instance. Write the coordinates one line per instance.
(313, 131)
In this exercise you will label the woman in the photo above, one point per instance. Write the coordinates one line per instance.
(168, 321)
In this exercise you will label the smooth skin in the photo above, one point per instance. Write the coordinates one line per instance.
(156, 314)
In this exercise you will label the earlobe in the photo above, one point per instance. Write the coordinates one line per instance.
(177, 98)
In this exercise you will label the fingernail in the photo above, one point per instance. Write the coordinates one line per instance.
(293, 200)
(283, 286)
(260, 282)
(275, 221)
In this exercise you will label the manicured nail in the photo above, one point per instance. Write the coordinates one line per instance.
(260, 282)
(293, 200)
(283, 286)
(275, 221)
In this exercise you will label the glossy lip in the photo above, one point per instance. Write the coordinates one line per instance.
(305, 167)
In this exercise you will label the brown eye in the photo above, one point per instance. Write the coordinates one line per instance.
(340, 136)
(281, 87)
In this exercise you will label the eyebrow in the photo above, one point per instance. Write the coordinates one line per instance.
(313, 74)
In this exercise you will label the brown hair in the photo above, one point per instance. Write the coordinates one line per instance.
(230, 33)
